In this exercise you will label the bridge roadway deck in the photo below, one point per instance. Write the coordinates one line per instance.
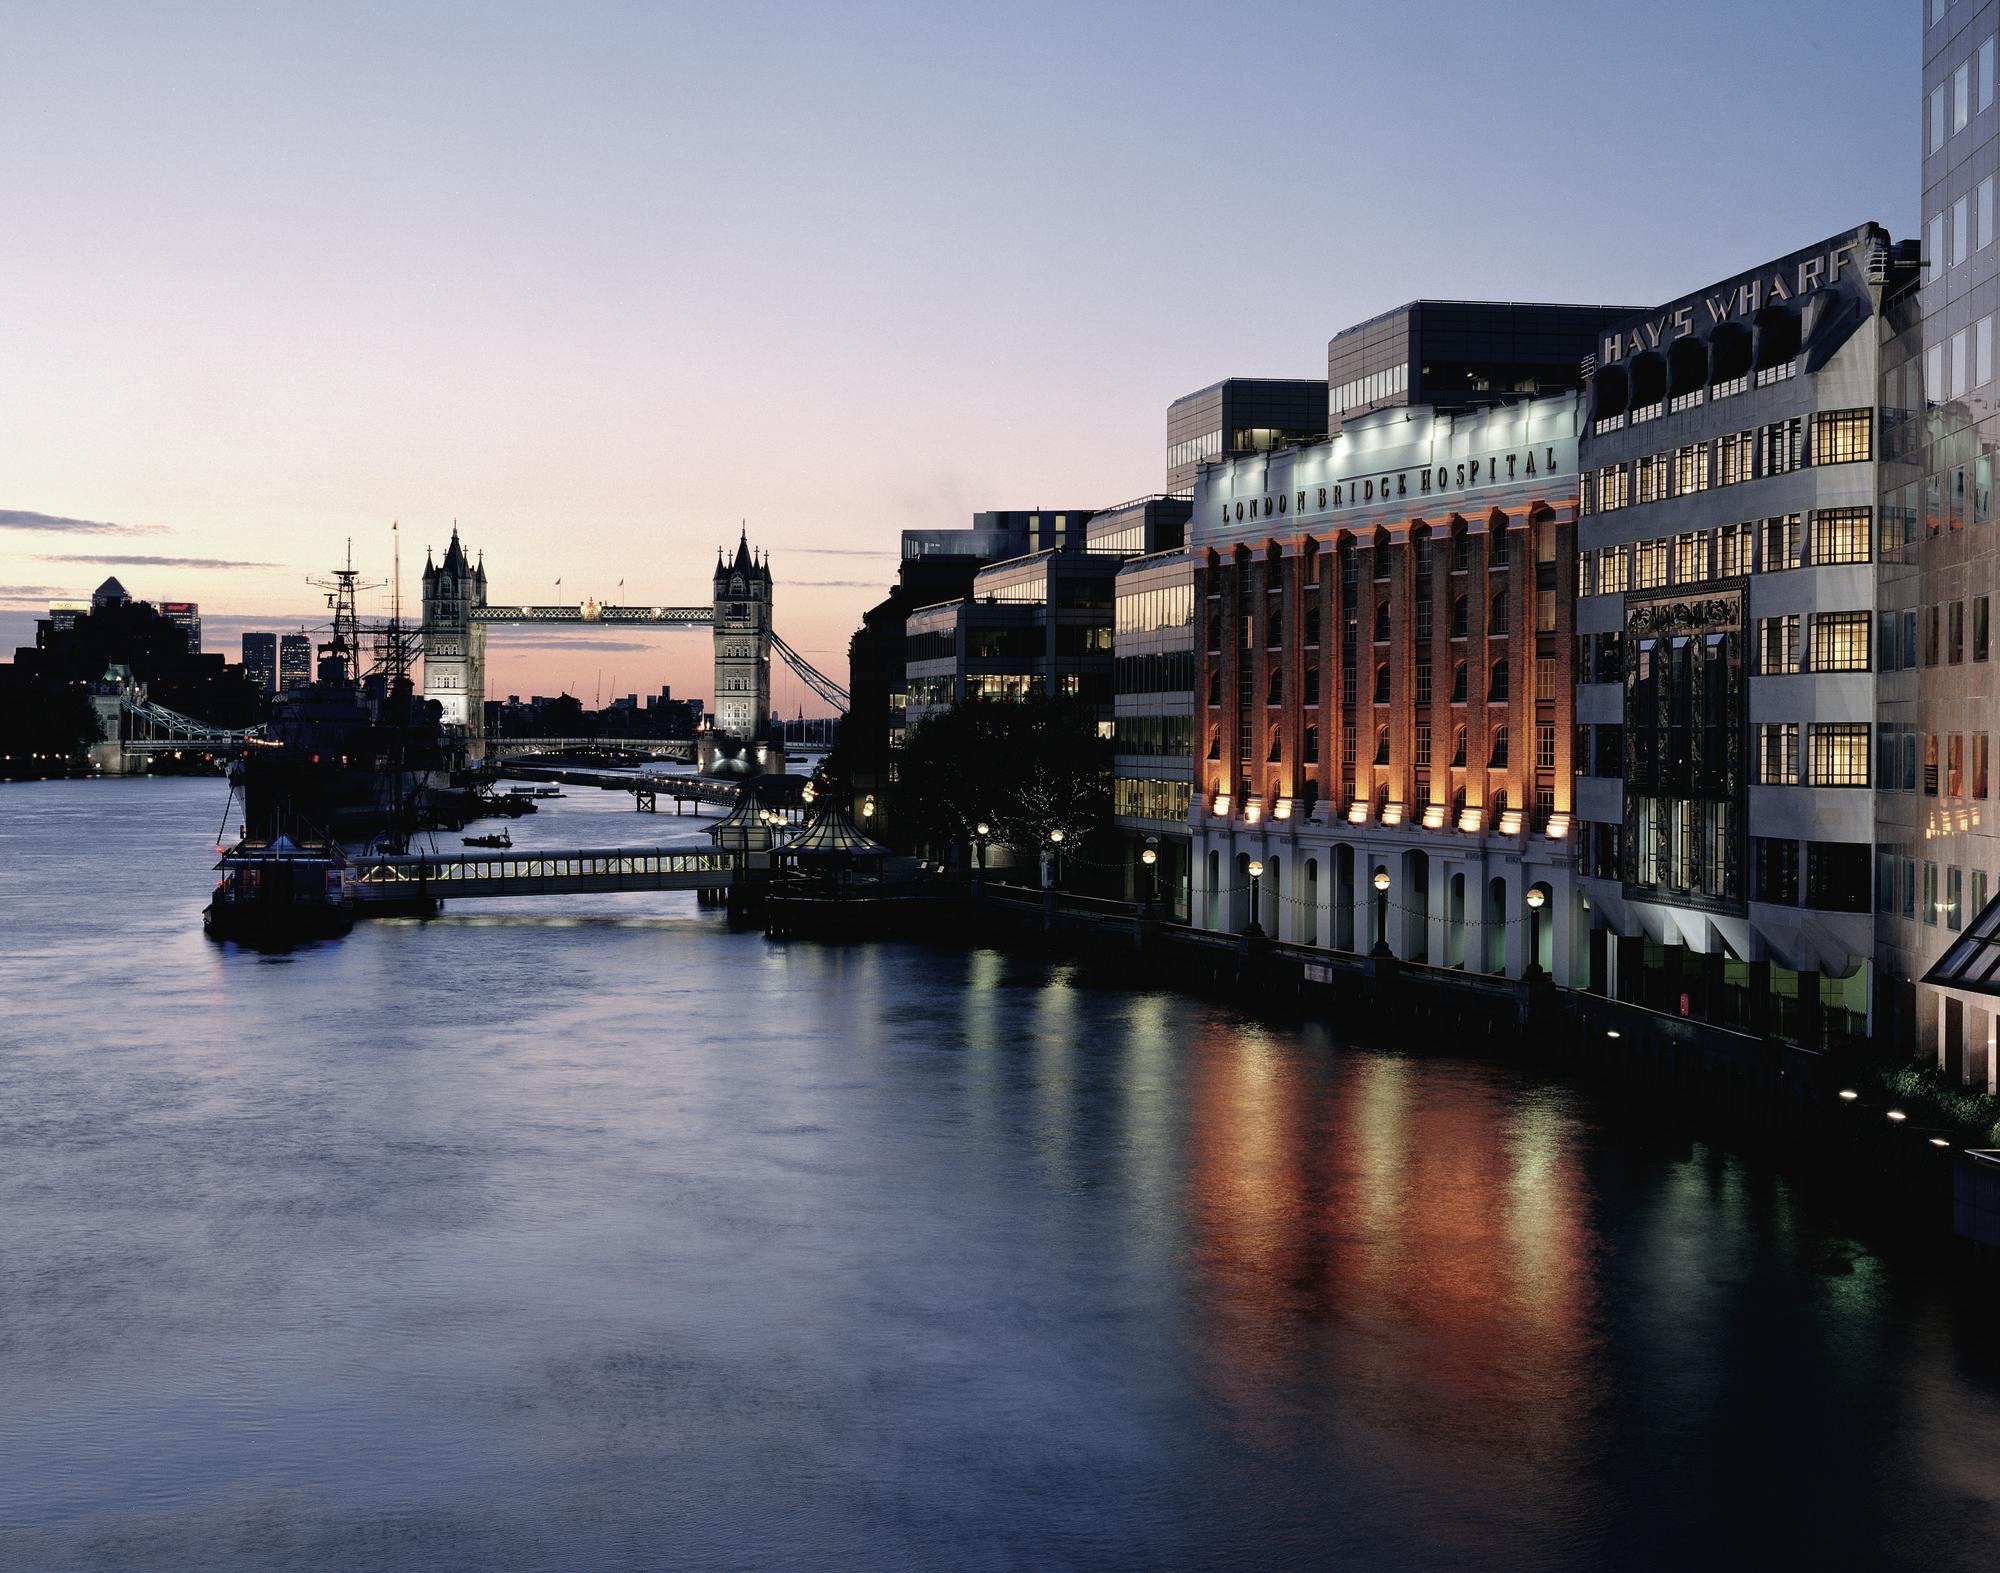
(455, 876)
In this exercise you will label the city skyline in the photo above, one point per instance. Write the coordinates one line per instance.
(296, 279)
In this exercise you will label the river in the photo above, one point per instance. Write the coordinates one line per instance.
(585, 1233)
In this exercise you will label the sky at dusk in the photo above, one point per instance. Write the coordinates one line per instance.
(601, 281)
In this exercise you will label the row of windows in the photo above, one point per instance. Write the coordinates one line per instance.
(1969, 92)
(1145, 611)
(1837, 753)
(1953, 367)
(1836, 874)
(1835, 536)
(1970, 229)
(1944, 759)
(1832, 437)
(1159, 672)
(1195, 449)
(1897, 893)
(1137, 798)
(1839, 643)
(1366, 390)
(1155, 735)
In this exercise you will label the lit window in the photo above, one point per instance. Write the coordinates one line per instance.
(1842, 535)
(1842, 437)
(1840, 641)
(1778, 645)
(1778, 753)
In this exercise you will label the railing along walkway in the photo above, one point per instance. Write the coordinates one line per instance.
(454, 876)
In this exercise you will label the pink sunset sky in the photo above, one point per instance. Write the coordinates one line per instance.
(601, 281)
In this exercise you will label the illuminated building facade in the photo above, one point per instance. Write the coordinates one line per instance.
(1153, 762)
(1727, 653)
(1938, 858)
(1383, 716)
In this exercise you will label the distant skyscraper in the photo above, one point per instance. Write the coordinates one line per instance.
(260, 660)
(294, 661)
(186, 616)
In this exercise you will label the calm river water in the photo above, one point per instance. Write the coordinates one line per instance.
(523, 1239)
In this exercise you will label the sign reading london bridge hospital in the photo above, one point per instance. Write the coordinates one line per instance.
(1394, 466)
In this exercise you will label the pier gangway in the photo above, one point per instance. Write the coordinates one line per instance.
(421, 878)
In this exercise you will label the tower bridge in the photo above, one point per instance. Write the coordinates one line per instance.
(457, 616)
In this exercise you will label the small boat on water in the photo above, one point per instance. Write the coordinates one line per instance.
(534, 791)
(501, 840)
(280, 891)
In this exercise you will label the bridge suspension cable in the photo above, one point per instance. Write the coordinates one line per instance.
(810, 675)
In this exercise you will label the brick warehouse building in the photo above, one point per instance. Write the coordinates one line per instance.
(1384, 688)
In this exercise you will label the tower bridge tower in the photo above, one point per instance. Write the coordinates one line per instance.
(454, 645)
(742, 632)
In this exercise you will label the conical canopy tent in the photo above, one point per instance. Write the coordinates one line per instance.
(830, 835)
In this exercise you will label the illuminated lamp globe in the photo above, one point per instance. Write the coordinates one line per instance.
(1381, 880)
(1536, 898)
(1256, 868)
(1149, 857)
(982, 829)
(1056, 835)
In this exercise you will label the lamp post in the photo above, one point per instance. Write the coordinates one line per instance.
(1256, 879)
(1150, 857)
(1056, 843)
(980, 832)
(1381, 884)
(1536, 897)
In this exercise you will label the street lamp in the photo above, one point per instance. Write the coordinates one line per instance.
(1536, 897)
(1055, 849)
(1150, 857)
(1256, 875)
(980, 832)
(1381, 884)
(868, 806)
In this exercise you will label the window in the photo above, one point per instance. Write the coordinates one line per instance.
(1458, 683)
(1979, 778)
(1929, 910)
(1459, 615)
(1382, 683)
(1424, 611)
(1984, 207)
(1496, 622)
(1497, 758)
(1650, 572)
(1781, 442)
(1652, 478)
(1983, 94)
(1422, 672)
(1732, 551)
(1736, 458)
(1778, 753)
(1837, 875)
(1781, 543)
(1775, 866)
(1423, 745)
(1612, 575)
(1691, 469)
(1842, 535)
(1840, 641)
(1930, 636)
(1954, 765)
(1961, 96)
(1545, 679)
(1381, 745)
(1980, 628)
(1930, 764)
(1840, 753)
(1954, 644)
(1347, 745)
(1842, 437)
(1690, 558)
(1961, 228)
(1497, 689)
(1274, 687)
(1937, 118)
(1961, 366)
(1953, 917)
(1458, 747)
(1381, 622)
(1934, 259)
(1778, 645)
(1978, 903)
(1545, 746)
(1614, 483)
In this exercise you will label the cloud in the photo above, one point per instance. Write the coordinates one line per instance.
(22, 519)
(33, 594)
(127, 561)
(833, 584)
(837, 551)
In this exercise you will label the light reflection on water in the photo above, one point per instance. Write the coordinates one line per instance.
(611, 1238)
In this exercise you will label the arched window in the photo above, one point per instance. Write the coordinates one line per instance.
(1460, 614)
(1215, 685)
(1215, 743)
(1458, 683)
(1277, 749)
(1381, 745)
(1496, 622)
(1497, 689)
(1500, 551)
(1458, 747)
(1382, 683)
(1309, 746)
(1274, 687)
(1381, 621)
(1497, 760)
